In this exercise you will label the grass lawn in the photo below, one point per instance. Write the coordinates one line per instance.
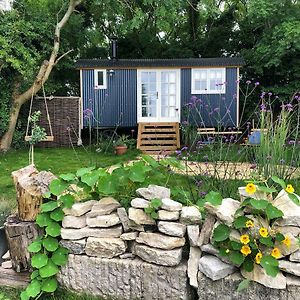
(56, 160)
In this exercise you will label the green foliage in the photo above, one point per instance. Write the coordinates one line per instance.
(270, 264)
(221, 233)
(153, 207)
(244, 284)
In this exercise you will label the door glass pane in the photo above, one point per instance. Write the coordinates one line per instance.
(149, 94)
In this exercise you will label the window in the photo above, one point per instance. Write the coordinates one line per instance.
(100, 79)
(208, 81)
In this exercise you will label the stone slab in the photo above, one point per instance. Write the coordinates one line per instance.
(74, 222)
(75, 247)
(225, 289)
(125, 279)
(79, 209)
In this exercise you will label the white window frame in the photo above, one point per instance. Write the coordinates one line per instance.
(208, 90)
(104, 85)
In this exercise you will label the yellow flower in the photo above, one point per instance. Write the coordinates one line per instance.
(250, 188)
(258, 257)
(244, 239)
(290, 189)
(276, 253)
(263, 232)
(287, 241)
(249, 224)
(227, 251)
(246, 250)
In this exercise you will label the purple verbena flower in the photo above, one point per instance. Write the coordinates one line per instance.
(248, 82)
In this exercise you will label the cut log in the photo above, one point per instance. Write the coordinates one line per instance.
(30, 187)
(19, 236)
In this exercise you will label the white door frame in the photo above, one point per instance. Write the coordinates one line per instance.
(158, 119)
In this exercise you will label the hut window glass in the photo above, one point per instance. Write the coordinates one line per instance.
(208, 81)
(100, 79)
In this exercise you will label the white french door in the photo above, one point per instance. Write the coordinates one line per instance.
(158, 94)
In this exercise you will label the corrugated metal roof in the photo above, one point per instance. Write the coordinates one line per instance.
(180, 62)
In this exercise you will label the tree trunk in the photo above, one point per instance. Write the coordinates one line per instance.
(30, 185)
(42, 76)
(6, 140)
(19, 236)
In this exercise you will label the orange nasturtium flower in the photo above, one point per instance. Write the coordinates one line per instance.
(245, 239)
(250, 188)
(287, 241)
(249, 224)
(263, 232)
(258, 257)
(245, 250)
(289, 188)
(276, 253)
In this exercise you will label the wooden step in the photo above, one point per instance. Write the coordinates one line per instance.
(9, 277)
(158, 137)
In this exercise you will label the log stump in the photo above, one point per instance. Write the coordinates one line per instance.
(19, 236)
(30, 187)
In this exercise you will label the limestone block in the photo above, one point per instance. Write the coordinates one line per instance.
(122, 214)
(161, 241)
(289, 267)
(105, 247)
(78, 234)
(75, 247)
(193, 263)
(103, 221)
(140, 217)
(125, 279)
(190, 215)
(74, 222)
(139, 203)
(129, 236)
(172, 228)
(154, 192)
(105, 206)
(214, 268)
(170, 205)
(159, 256)
(206, 230)
(79, 209)
(165, 215)
(193, 234)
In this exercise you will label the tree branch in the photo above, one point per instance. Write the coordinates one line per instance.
(62, 56)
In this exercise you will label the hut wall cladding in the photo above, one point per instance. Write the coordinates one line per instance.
(114, 106)
(227, 104)
(64, 117)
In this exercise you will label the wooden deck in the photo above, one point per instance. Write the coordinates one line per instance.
(157, 138)
(10, 278)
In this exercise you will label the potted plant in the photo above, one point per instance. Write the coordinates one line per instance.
(121, 145)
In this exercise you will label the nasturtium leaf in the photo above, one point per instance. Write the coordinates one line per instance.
(39, 260)
(235, 245)
(215, 198)
(270, 264)
(156, 203)
(248, 264)
(148, 210)
(265, 189)
(90, 178)
(34, 288)
(57, 215)
(154, 215)
(138, 172)
(266, 241)
(294, 198)
(279, 237)
(108, 185)
(50, 244)
(58, 186)
(47, 195)
(24, 296)
(236, 257)
(246, 202)
(259, 204)
(67, 200)
(240, 222)
(35, 247)
(53, 229)
(43, 219)
(49, 285)
(221, 233)
(49, 270)
(150, 160)
(222, 252)
(272, 212)
(83, 171)
(244, 284)
(60, 256)
(49, 206)
(68, 177)
(279, 181)
(34, 274)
